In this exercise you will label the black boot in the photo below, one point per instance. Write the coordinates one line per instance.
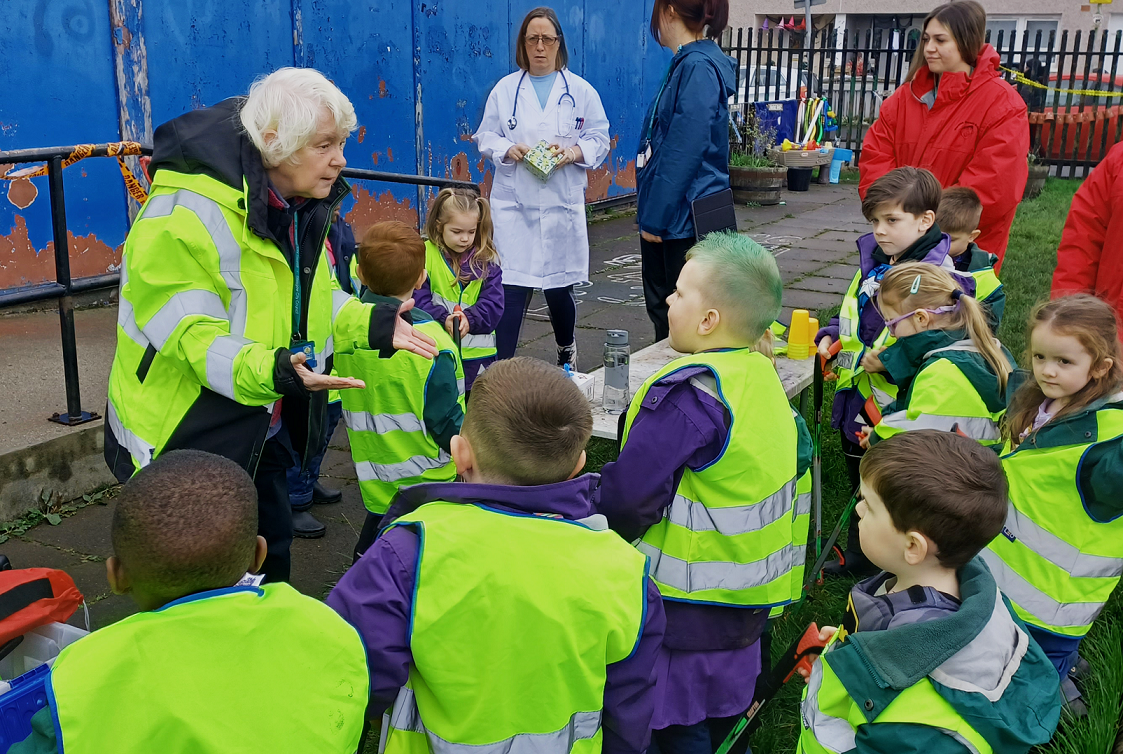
(305, 526)
(321, 495)
(853, 562)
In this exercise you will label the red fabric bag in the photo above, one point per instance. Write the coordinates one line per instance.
(33, 597)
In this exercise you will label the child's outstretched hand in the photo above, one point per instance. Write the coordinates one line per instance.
(463, 324)
(871, 362)
(826, 633)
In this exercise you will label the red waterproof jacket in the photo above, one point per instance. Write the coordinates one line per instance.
(975, 134)
(1090, 257)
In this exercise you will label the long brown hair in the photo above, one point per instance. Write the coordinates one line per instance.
(1094, 324)
(451, 200)
(698, 15)
(919, 285)
(966, 21)
(522, 60)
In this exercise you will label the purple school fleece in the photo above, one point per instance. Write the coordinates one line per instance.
(376, 597)
(848, 403)
(711, 654)
(483, 316)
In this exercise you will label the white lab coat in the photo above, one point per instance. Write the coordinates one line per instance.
(540, 228)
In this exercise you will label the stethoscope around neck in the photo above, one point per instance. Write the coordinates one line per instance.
(513, 121)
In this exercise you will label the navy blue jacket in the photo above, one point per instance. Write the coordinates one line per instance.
(689, 142)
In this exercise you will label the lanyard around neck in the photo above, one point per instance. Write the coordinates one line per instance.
(295, 277)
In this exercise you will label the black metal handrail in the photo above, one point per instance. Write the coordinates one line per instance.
(64, 287)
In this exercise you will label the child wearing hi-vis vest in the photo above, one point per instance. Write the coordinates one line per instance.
(463, 267)
(401, 425)
(959, 215)
(710, 461)
(929, 657)
(212, 663)
(499, 613)
(901, 208)
(949, 369)
(1060, 555)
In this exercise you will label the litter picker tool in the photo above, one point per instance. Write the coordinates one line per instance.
(457, 313)
(818, 377)
(801, 654)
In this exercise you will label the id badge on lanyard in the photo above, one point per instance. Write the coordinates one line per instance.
(306, 347)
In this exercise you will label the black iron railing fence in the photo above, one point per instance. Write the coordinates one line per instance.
(64, 288)
(1072, 84)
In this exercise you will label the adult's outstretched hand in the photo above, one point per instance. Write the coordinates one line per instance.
(315, 382)
(408, 338)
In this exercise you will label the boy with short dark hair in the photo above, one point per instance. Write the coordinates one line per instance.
(958, 216)
(500, 611)
(707, 475)
(401, 425)
(210, 665)
(930, 656)
(901, 207)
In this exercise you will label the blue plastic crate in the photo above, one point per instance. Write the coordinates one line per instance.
(778, 115)
(27, 696)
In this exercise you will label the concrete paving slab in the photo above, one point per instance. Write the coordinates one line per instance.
(92, 537)
(824, 256)
(27, 553)
(822, 285)
(809, 300)
(842, 271)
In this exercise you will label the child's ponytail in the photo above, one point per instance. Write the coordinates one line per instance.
(919, 285)
(978, 328)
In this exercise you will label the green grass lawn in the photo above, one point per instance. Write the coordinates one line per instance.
(1026, 273)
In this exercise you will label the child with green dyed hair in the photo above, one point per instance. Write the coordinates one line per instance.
(711, 451)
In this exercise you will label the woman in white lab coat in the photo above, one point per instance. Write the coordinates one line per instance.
(540, 227)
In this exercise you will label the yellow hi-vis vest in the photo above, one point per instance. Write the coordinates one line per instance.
(449, 292)
(727, 537)
(1055, 563)
(848, 365)
(831, 717)
(515, 620)
(390, 444)
(238, 669)
(205, 303)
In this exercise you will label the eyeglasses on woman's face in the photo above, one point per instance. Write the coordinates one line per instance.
(543, 39)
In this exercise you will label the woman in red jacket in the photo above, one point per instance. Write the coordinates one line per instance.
(956, 117)
(1090, 257)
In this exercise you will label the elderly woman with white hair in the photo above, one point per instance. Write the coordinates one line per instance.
(229, 314)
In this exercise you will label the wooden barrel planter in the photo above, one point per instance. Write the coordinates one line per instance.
(1035, 183)
(757, 185)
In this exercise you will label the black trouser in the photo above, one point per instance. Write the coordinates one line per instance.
(853, 453)
(662, 263)
(274, 513)
(561, 304)
(367, 536)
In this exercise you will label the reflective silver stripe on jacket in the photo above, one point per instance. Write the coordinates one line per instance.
(126, 317)
(181, 305)
(976, 427)
(740, 519)
(696, 577)
(832, 733)
(229, 250)
(369, 471)
(380, 424)
(1065, 556)
(439, 299)
(478, 341)
(803, 504)
(581, 726)
(1036, 602)
(140, 450)
(220, 363)
(338, 299)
